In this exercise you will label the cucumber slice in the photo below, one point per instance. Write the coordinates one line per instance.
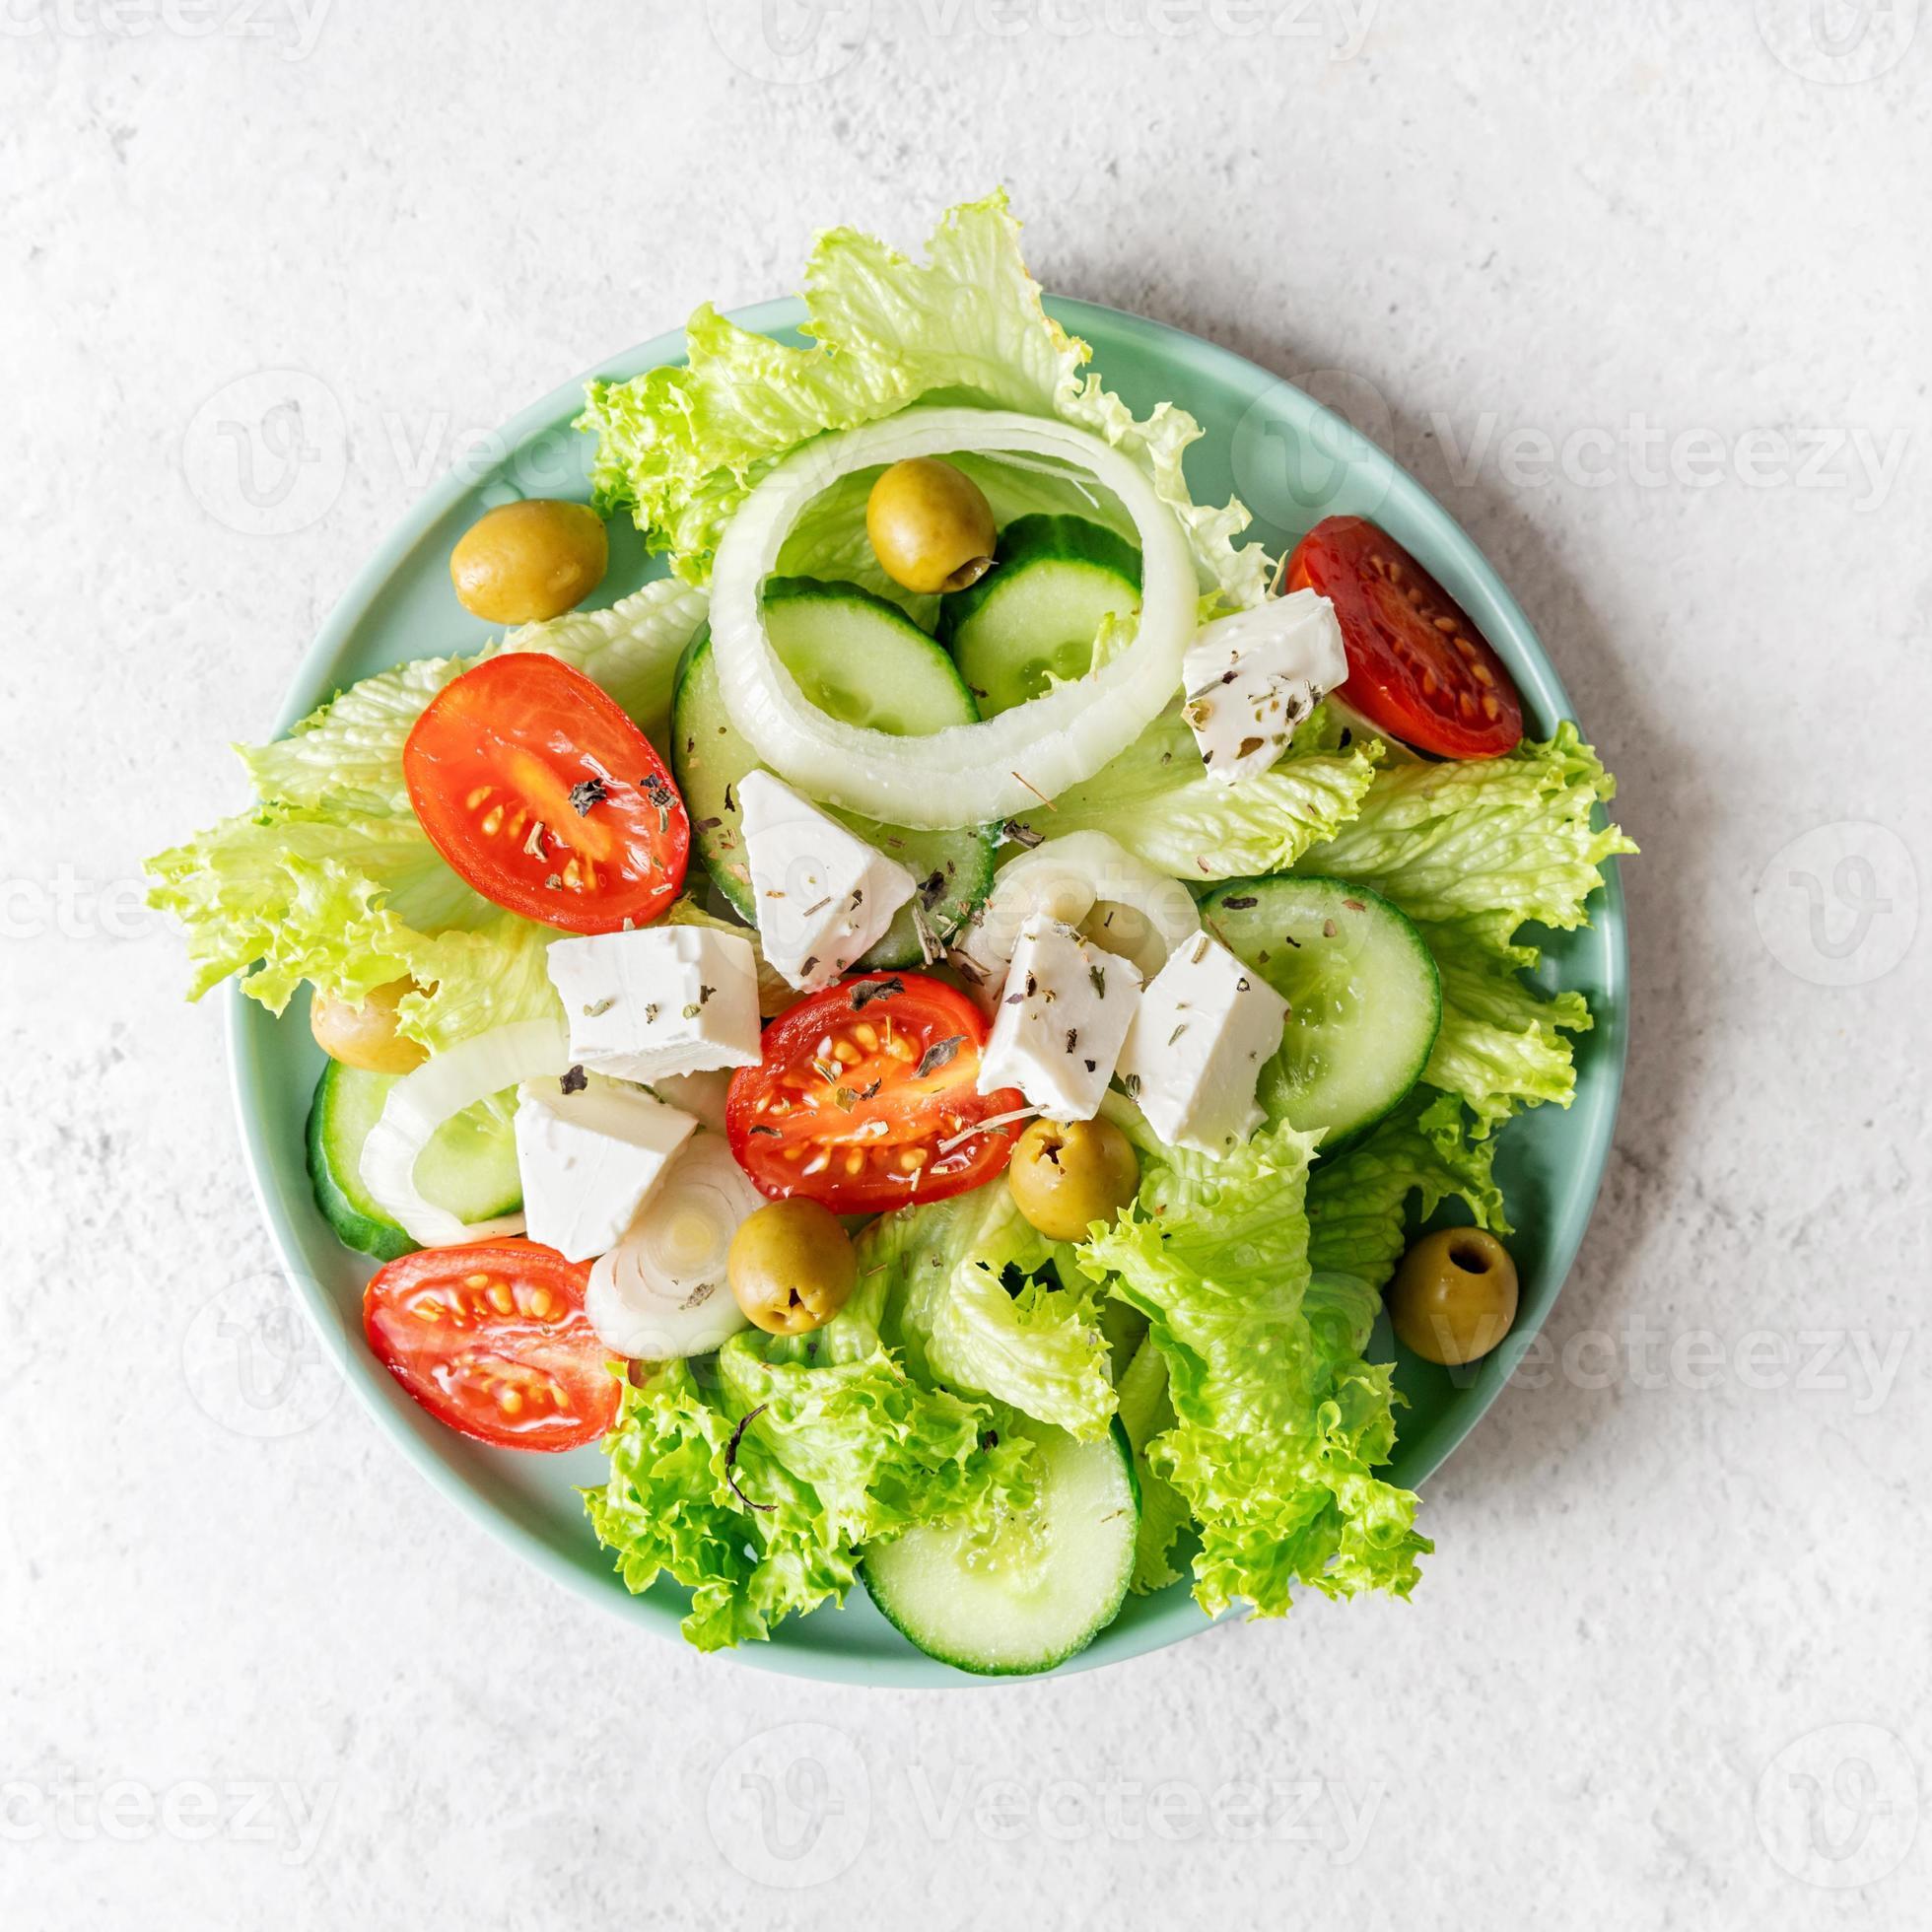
(864, 661)
(1035, 615)
(1051, 1580)
(1365, 995)
(468, 1168)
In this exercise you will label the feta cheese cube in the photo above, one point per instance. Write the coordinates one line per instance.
(588, 1158)
(1061, 1021)
(823, 895)
(669, 999)
(1206, 1026)
(1252, 677)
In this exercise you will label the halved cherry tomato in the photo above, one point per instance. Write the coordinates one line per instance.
(859, 1089)
(493, 1339)
(541, 793)
(1418, 668)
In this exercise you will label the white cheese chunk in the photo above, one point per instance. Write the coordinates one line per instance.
(588, 1160)
(670, 1000)
(824, 896)
(1206, 1026)
(1252, 677)
(1061, 1021)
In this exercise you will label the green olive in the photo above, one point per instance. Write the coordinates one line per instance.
(1065, 1177)
(366, 1036)
(523, 562)
(791, 1267)
(930, 526)
(1454, 1296)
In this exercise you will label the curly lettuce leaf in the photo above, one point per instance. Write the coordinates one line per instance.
(1472, 851)
(682, 447)
(754, 1484)
(349, 902)
(975, 1299)
(1357, 1207)
(1146, 1413)
(1159, 800)
(1278, 1423)
(348, 752)
(331, 879)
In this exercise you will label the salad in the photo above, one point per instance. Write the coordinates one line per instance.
(922, 1031)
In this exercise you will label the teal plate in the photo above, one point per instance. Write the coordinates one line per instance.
(1292, 462)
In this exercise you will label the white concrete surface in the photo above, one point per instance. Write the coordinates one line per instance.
(1643, 291)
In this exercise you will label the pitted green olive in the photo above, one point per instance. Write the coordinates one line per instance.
(1065, 1177)
(523, 562)
(1454, 1296)
(366, 1036)
(930, 526)
(791, 1267)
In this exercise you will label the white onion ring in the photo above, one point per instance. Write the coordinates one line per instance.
(967, 774)
(1089, 882)
(663, 1293)
(420, 1102)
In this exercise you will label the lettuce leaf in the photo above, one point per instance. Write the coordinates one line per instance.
(1159, 802)
(1146, 1413)
(682, 447)
(330, 878)
(349, 751)
(350, 901)
(1357, 1203)
(755, 1485)
(1472, 851)
(1037, 1344)
(1279, 1423)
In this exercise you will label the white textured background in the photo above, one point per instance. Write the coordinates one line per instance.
(1671, 1663)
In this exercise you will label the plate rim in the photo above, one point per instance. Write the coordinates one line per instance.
(1472, 578)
